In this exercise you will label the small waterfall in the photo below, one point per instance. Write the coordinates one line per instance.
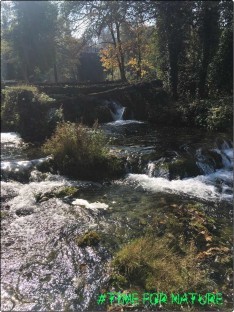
(157, 169)
(117, 111)
(203, 162)
(227, 157)
(206, 168)
(150, 169)
(226, 145)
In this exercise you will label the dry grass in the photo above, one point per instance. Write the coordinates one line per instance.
(79, 151)
(150, 263)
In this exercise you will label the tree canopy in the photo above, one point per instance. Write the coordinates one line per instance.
(186, 44)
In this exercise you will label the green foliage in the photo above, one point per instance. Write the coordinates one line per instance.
(29, 31)
(26, 110)
(220, 74)
(80, 151)
(220, 115)
(187, 44)
(176, 254)
(193, 46)
(213, 114)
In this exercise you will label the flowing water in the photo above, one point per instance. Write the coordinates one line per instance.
(117, 111)
(43, 268)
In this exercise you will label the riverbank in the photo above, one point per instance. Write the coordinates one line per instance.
(65, 241)
(28, 108)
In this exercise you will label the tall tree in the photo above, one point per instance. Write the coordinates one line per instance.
(172, 26)
(33, 34)
(221, 69)
(208, 29)
(102, 15)
(8, 57)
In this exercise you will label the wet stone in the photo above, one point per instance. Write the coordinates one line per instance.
(24, 212)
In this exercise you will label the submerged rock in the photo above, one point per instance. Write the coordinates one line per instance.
(21, 170)
(172, 170)
(24, 211)
(183, 168)
(88, 239)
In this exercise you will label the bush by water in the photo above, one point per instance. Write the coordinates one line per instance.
(81, 152)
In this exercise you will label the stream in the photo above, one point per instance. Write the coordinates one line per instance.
(42, 267)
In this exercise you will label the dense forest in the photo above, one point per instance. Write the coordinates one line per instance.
(117, 156)
(186, 44)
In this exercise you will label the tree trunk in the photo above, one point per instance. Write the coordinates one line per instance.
(115, 45)
(25, 73)
(139, 61)
(202, 79)
(121, 54)
(55, 73)
(173, 71)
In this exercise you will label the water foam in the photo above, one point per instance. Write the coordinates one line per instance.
(86, 204)
(124, 122)
(10, 138)
(195, 187)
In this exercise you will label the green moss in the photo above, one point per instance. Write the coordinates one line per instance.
(51, 256)
(4, 214)
(60, 193)
(41, 197)
(88, 239)
(67, 191)
(118, 280)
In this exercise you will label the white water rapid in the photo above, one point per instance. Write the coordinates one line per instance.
(212, 185)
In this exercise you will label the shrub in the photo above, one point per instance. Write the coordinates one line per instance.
(220, 115)
(212, 113)
(28, 112)
(81, 152)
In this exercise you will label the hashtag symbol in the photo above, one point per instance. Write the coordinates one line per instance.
(101, 299)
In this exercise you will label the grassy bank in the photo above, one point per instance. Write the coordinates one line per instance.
(81, 152)
(185, 251)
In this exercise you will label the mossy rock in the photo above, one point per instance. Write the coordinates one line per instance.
(67, 191)
(25, 110)
(183, 168)
(88, 239)
(103, 114)
(214, 159)
(162, 170)
(82, 152)
(4, 214)
(61, 193)
(176, 169)
(52, 256)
